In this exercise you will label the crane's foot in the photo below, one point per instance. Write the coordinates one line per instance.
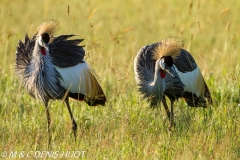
(172, 126)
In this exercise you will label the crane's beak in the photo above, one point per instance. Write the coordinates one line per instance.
(170, 71)
(166, 68)
(42, 43)
(46, 47)
(167, 71)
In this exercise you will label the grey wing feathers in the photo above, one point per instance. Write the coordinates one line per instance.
(66, 53)
(144, 69)
(185, 62)
(24, 54)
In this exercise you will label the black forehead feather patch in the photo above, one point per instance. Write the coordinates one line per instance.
(45, 37)
(168, 60)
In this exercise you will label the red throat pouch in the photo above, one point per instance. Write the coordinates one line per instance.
(43, 51)
(162, 74)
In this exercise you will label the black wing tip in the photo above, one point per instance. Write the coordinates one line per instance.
(100, 100)
(91, 102)
(97, 102)
(195, 101)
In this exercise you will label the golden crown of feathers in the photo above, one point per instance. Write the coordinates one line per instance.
(168, 47)
(48, 26)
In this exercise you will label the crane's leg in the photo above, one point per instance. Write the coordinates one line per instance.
(169, 113)
(49, 122)
(166, 107)
(172, 123)
(74, 124)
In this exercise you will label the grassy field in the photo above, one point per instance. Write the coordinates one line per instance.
(126, 128)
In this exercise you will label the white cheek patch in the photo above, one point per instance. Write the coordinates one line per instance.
(162, 63)
(40, 41)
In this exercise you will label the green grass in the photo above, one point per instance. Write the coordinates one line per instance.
(126, 128)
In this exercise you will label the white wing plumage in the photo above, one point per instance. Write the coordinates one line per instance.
(76, 79)
(193, 81)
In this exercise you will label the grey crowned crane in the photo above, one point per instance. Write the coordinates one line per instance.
(54, 68)
(165, 69)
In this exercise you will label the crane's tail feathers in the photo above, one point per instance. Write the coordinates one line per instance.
(168, 47)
